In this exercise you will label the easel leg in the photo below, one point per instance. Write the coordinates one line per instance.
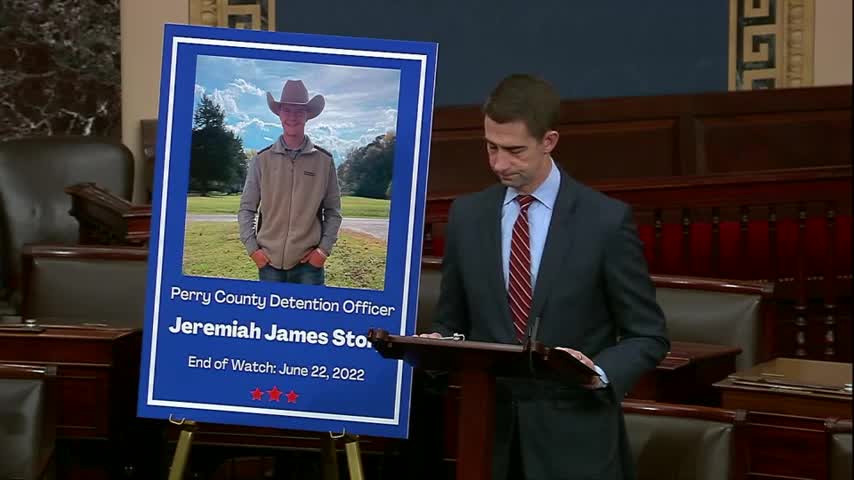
(354, 457)
(329, 457)
(182, 450)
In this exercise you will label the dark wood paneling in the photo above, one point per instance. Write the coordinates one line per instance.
(458, 161)
(776, 140)
(686, 375)
(598, 150)
(784, 446)
(758, 400)
(663, 136)
(653, 136)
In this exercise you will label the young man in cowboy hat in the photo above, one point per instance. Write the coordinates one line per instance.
(295, 184)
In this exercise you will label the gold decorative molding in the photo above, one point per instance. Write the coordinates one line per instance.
(771, 43)
(246, 14)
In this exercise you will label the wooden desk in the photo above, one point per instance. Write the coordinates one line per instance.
(790, 386)
(687, 374)
(107, 219)
(97, 371)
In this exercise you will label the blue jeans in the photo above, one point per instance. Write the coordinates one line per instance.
(304, 273)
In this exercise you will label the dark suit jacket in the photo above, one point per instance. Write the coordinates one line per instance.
(593, 293)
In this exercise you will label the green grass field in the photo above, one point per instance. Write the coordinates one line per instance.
(213, 249)
(350, 206)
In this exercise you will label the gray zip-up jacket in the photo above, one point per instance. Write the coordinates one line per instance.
(296, 197)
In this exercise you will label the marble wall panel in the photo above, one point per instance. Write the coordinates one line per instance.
(59, 68)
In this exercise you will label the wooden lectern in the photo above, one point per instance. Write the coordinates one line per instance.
(106, 219)
(477, 365)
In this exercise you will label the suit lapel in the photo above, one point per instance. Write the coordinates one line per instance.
(493, 262)
(562, 231)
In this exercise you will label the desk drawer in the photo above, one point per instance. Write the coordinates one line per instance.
(84, 402)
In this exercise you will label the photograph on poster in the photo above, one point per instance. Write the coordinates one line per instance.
(290, 172)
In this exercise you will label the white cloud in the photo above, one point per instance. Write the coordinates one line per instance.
(227, 101)
(246, 87)
(242, 125)
(388, 120)
(335, 145)
(324, 128)
(199, 90)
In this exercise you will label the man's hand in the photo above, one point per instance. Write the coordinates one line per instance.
(260, 258)
(315, 257)
(593, 382)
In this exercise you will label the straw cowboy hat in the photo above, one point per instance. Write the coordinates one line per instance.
(295, 93)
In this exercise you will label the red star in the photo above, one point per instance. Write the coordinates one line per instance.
(275, 393)
(292, 396)
(257, 393)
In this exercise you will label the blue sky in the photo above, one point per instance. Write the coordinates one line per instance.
(361, 102)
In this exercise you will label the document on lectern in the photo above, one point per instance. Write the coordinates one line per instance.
(287, 219)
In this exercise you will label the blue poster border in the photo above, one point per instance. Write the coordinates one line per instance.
(181, 44)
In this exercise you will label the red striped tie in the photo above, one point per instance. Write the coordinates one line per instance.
(519, 292)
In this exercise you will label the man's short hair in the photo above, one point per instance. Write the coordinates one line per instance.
(526, 98)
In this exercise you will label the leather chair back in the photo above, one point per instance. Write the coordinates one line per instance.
(27, 421)
(707, 316)
(841, 456)
(95, 285)
(34, 207)
(680, 448)
(428, 296)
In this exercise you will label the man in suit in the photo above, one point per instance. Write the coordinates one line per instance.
(541, 254)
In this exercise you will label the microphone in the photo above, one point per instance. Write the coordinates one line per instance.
(531, 331)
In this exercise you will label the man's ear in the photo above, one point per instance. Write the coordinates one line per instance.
(550, 140)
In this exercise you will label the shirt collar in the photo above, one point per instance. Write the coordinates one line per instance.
(281, 147)
(546, 193)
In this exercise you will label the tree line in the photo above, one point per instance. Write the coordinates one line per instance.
(367, 170)
(218, 161)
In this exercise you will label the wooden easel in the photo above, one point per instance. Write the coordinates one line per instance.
(182, 449)
(328, 452)
(330, 456)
